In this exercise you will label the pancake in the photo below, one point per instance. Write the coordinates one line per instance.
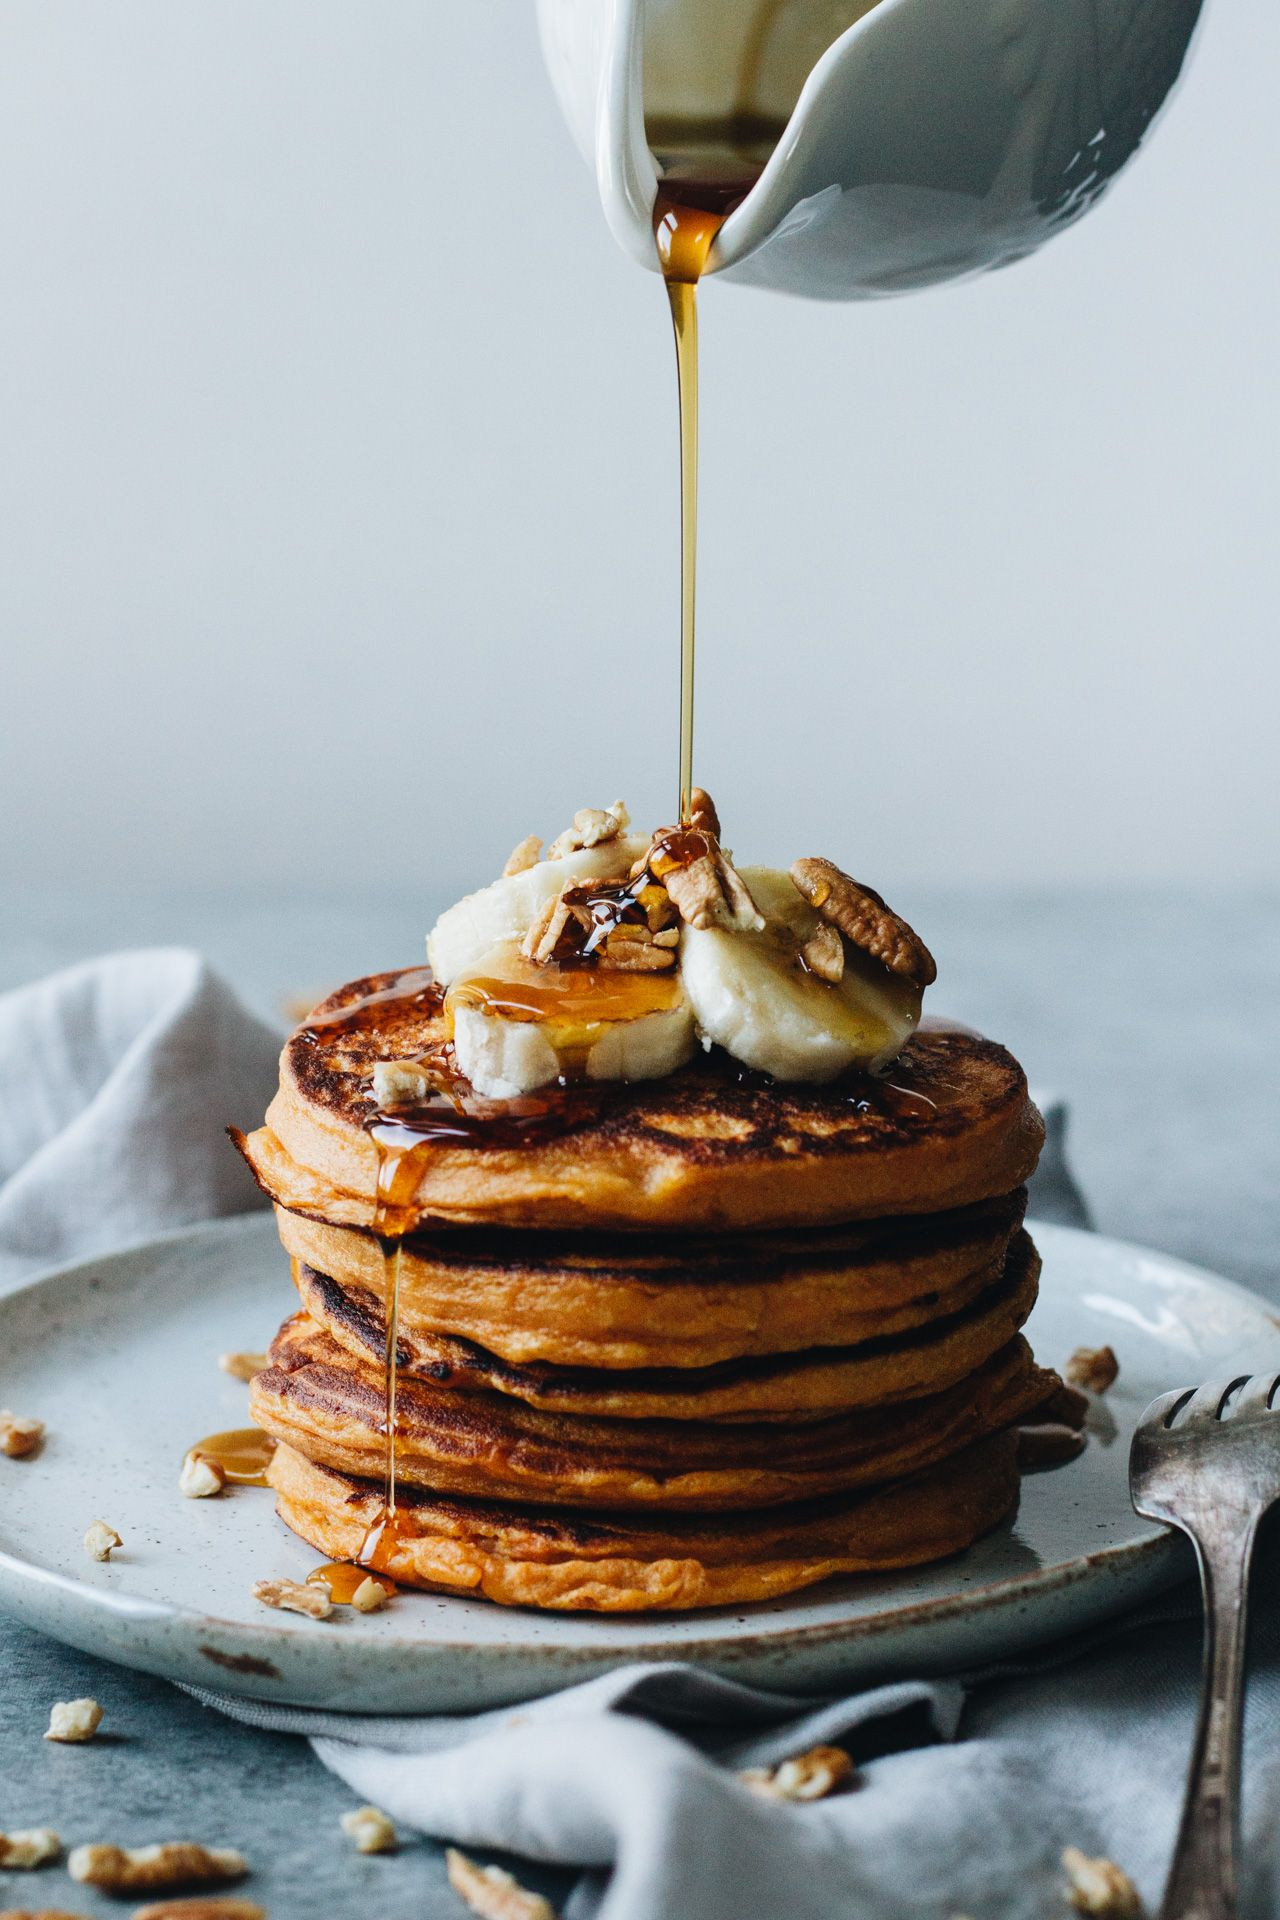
(612, 1564)
(648, 1300)
(789, 1387)
(711, 1146)
(316, 1399)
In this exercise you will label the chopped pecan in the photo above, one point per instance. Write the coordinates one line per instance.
(542, 939)
(371, 1829)
(29, 1847)
(634, 950)
(1099, 1887)
(201, 1478)
(207, 1906)
(493, 1893)
(19, 1435)
(592, 826)
(807, 1776)
(862, 917)
(823, 953)
(524, 856)
(169, 1863)
(369, 1597)
(100, 1541)
(291, 1596)
(73, 1721)
(705, 889)
(1093, 1368)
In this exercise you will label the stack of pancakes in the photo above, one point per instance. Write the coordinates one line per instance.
(678, 1343)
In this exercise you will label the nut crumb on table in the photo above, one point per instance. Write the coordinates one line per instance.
(101, 1540)
(205, 1906)
(371, 1829)
(1099, 1887)
(165, 1864)
(73, 1721)
(29, 1847)
(492, 1892)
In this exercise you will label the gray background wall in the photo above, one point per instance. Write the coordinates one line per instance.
(337, 486)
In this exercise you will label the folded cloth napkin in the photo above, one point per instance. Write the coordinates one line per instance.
(116, 1079)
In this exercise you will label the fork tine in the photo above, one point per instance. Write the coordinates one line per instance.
(1161, 1408)
(1206, 1402)
(1255, 1395)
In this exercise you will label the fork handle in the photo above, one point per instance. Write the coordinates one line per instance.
(1202, 1879)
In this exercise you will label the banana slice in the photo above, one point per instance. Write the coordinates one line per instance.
(464, 935)
(750, 995)
(517, 1026)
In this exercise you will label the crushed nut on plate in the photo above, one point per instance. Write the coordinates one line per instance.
(1093, 1368)
(1099, 1887)
(169, 1863)
(72, 1721)
(208, 1906)
(201, 1477)
(242, 1366)
(19, 1436)
(100, 1539)
(493, 1893)
(29, 1847)
(370, 1828)
(369, 1597)
(866, 922)
(292, 1597)
(527, 854)
(807, 1776)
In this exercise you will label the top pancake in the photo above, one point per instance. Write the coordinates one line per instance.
(708, 1147)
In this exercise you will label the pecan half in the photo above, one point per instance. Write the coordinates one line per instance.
(702, 812)
(861, 915)
(807, 1776)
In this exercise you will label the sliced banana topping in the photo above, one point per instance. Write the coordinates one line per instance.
(613, 956)
(518, 1025)
(757, 995)
(467, 932)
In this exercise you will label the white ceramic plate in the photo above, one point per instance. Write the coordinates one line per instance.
(119, 1357)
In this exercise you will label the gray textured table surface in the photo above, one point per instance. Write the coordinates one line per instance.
(1157, 1015)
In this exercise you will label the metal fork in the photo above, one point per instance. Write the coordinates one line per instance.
(1207, 1460)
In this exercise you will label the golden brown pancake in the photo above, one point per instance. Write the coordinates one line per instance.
(661, 1300)
(314, 1397)
(612, 1564)
(708, 1147)
(810, 1385)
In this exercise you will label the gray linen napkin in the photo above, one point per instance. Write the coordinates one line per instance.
(115, 1080)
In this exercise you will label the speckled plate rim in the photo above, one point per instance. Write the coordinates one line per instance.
(441, 1665)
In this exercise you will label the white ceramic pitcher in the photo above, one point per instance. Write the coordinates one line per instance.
(925, 139)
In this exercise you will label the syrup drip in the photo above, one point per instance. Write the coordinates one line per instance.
(343, 1580)
(697, 192)
(243, 1453)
